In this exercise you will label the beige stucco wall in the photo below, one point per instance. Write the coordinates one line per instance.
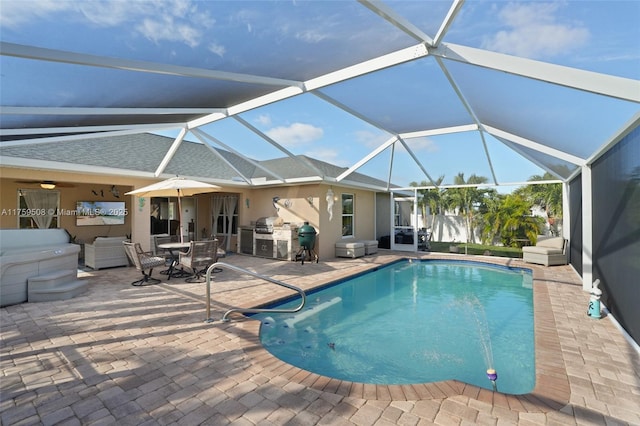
(296, 205)
(81, 190)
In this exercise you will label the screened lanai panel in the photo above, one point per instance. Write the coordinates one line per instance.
(309, 125)
(508, 165)
(591, 35)
(255, 37)
(41, 84)
(192, 156)
(562, 169)
(232, 134)
(406, 98)
(572, 121)
(57, 125)
(451, 154)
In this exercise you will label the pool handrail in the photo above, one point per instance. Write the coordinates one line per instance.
(223, 265)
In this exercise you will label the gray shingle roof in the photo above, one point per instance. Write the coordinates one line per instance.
(145, 152)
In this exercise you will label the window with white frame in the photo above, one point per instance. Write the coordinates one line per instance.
(347, 215)
(38, 208)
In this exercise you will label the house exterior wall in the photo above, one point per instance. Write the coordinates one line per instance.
(296, 205)
(80, 191)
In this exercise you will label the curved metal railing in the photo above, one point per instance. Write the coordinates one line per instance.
(249, 310)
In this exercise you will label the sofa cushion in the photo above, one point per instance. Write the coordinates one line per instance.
(541, 250)
(554, 242)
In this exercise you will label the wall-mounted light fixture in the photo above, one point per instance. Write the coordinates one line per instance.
(47, 184)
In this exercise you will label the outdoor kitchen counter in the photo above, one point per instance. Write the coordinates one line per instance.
(281, 243)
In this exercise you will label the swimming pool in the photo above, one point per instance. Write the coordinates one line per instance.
(414, 322)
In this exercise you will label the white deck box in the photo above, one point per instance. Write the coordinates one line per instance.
(351, 249)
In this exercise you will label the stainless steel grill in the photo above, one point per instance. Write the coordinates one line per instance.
(265, 225)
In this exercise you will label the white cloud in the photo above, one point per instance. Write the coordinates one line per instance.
(178, 20)
(17, 12)
(369, 139)
(217, 49)
(295, 134)
(264, 119)
(534, 32)
(329, 155)
(423, 144)
(312, 35)
(167, 29)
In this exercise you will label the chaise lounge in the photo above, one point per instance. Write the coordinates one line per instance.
(547, 251)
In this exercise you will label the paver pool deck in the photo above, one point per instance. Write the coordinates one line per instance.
(119, 354)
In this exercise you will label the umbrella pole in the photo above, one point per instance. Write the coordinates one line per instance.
(180, 217)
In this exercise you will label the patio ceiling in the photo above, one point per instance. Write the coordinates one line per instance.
(401, 91)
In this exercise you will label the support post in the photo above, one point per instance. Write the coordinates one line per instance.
(587, 229)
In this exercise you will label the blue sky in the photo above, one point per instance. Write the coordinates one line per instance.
(254, 37)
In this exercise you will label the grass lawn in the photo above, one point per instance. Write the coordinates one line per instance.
(477, 249)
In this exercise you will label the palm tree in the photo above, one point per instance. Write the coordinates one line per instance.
(468, 200)
(431, 198)
(547, 196)
(510, 219)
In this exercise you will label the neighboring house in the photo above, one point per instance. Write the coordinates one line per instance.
(103, 169)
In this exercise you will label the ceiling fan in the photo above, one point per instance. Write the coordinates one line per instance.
(47, 184)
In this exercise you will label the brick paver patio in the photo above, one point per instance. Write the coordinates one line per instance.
(145, 356)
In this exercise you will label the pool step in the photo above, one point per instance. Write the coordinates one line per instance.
(57, 285)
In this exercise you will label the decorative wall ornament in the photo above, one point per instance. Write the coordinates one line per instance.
(330, 200)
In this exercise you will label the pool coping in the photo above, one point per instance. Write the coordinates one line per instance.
(551, 391)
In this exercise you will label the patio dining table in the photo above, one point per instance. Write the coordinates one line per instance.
(174, 250)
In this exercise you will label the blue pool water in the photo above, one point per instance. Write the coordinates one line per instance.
(414, 322)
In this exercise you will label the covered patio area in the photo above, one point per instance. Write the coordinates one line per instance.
(144, 355)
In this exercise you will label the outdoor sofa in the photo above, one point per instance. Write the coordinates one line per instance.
(105, 252)
(547, 251)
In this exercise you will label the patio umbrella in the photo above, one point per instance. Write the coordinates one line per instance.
(175, 187)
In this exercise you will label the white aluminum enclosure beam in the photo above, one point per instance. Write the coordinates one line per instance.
(536, 146)
(588, 81)
(385, 61)
(263, 100)
(587, 229)
(448, 20)
(442, 131)
(518, 149)
(416, 160)
(349, 110)
(471, 112)
(381, 62)
(367, 158)
(62, 56)
(171, 152)
(617, 137)
(103, 111)
(199, 133)
(221, 157)
(390, 168)
(87, 132)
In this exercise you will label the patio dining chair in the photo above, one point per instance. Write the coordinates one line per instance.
(198, 258)
(221, 251)
(144, 262)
